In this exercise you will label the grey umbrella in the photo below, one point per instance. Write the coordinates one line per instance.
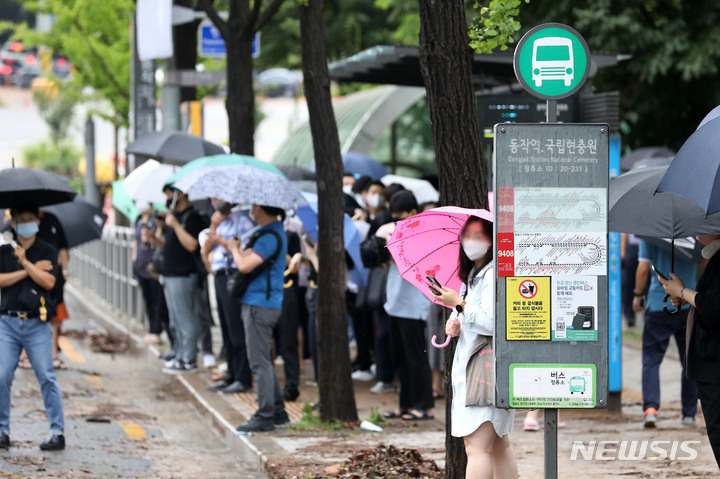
(627, 162)
(173, 147)
(636, 209)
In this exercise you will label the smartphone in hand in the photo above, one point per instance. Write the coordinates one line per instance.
(308, 239)
(657, 272)
(435, 286)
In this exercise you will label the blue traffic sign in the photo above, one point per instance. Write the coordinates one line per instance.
(212, 44)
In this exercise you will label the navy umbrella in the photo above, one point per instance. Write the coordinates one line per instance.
(695, 171)
(628, 162)
(360, 164)
(636, 209)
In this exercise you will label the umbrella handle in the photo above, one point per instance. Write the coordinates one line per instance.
(665, 308)
(434, 342)
(442, 345)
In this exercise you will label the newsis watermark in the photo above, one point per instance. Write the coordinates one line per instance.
(639, 450)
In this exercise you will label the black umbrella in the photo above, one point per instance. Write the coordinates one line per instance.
(636, 209)
(28, 185)
(627, 162)
(173, 147)
(297, 173)
(81, 220)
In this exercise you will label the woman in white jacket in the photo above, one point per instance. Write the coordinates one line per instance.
(485, 429)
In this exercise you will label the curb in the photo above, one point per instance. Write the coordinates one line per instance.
(240, 445)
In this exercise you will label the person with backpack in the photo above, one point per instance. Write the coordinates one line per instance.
(262, 262)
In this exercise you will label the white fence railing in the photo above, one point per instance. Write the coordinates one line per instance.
(105, 268)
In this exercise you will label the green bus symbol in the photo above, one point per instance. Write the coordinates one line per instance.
(577, 385)
(552, 59)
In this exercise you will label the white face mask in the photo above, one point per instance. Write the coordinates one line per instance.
(375, 201)
(710, 250)
(347, 189)
(475, 249)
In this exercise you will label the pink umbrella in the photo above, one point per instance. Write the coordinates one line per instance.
(428, 244)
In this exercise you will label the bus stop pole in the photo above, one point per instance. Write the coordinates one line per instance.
(551, 415)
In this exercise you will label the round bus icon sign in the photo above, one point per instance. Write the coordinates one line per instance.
(552, 61)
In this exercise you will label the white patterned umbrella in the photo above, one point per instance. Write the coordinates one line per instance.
(242, 184)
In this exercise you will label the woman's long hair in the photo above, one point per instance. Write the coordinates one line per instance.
(466, 264)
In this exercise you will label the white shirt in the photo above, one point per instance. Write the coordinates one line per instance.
(478, 319)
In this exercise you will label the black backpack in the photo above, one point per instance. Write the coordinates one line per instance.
(238, 282)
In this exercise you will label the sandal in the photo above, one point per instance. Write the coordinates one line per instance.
(59, 364)
(24, 363)
(396, 414)
(417, 415)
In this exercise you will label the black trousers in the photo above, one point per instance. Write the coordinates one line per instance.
(286, 334)
(710, 401)
(231, 323)
(203, 316)
(155, 306)
(409, 348)
(363, 326)
(383, 349)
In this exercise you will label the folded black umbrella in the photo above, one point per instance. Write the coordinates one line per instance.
(28, 185)
(81, 220)
(173, 147)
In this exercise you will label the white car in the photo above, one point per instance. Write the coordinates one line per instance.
(552, 59)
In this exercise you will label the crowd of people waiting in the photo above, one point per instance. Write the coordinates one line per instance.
(263, 269)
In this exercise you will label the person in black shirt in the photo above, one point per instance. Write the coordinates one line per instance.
(702, 355)
(28, 273)
(52, 232)
(177, 235)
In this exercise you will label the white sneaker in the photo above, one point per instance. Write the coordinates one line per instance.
(363, 376)
(169, 364)
(382, 388)
(209, 361)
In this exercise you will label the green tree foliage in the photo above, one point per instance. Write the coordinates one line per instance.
(495, 25)
(671, 78)
(94, 36)
(351, 26)
(58, 154)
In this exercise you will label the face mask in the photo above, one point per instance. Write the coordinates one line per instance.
(347, 189)
(223, 207)
(710, 250)
(27, 230)
(375, 201)
(475, 249)
(252, 215)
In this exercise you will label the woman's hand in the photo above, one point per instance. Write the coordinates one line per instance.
(452, 328)
(446, 296)
(672, 286)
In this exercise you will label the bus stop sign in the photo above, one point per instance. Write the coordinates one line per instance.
(552, 61)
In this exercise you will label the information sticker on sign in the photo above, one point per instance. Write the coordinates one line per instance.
(553, 385)
(528, 309)
(574, 308)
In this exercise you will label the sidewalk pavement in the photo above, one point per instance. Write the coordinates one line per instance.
(289, 452)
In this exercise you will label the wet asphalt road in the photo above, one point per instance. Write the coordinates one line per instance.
(124, 419)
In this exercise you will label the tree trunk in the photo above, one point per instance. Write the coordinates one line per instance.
(446, 64)
(240, 101)
(337, 400)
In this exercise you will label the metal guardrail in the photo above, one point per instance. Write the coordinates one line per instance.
(105, 268)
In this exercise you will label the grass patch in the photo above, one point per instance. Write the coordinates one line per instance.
(310, 421)
(633, 335)
(377, 418)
